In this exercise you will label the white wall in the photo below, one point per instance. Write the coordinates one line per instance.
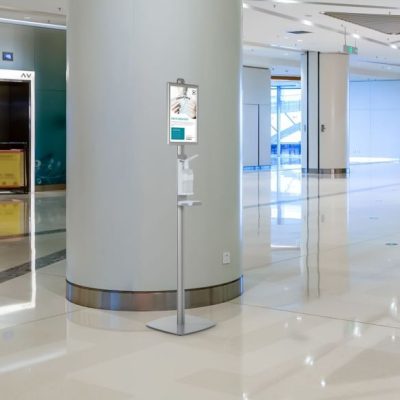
(375, 119)
(256, 116)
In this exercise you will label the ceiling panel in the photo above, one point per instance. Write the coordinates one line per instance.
(266, 27)
(40, 11)
(383, 23)
(267, 23)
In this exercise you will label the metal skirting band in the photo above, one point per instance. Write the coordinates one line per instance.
(327, 171)
(50, 188)
(152, 301)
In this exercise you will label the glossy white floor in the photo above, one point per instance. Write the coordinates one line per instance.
(319, 318)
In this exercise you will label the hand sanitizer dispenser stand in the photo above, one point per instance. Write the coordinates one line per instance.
(182, 324)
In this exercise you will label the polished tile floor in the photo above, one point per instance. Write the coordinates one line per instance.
(319, 318)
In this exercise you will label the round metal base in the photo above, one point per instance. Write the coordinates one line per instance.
(152, 301)
(170, 325)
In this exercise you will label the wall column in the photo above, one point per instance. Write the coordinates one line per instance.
(121, 205)
(256, 117)
(325, 82)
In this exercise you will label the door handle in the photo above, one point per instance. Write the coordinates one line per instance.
(323, 128)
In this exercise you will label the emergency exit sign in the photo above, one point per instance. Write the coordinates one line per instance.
(350, 49)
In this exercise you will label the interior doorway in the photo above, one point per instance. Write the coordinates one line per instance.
(17, 131)
(286, 121)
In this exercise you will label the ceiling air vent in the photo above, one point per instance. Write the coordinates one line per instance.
(299, 32)
(388, 24)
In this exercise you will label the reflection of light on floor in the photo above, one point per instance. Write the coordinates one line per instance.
(13, 308)
(286, 184)
(284, 247)
(287, 212)
(33, 247)
(10, 366)
(366, 160)
(309, 361)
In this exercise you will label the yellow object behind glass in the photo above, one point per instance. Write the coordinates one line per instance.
(12, 218)
(12, 169)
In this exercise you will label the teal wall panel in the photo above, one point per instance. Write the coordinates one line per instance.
(50, 137)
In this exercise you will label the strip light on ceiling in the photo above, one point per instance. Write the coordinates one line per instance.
(323, 3)
(32, 23)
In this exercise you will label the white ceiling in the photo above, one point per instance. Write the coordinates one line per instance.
(266, 23)
(41, 11)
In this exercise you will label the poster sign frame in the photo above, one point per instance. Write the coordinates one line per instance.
(185, 86)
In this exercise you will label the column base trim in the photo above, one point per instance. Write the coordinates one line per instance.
(50, 188)
(152, 301)
(334, 172)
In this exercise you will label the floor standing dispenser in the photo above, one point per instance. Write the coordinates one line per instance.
(182, 129)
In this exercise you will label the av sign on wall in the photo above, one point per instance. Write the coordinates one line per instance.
(183, 113)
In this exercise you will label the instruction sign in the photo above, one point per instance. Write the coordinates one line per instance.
(183, 113)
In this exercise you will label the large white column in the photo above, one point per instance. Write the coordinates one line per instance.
(121, 203)
(325, 80)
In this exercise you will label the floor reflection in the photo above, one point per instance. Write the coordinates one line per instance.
(323, 248)
(319, 318)
(32, 233)
(17, 218)
(13, 218)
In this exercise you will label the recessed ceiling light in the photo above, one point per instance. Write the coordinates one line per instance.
(356, 36)
(299, 40)
(301, 32)
(307, 22)
(245, 5)
(393, 46)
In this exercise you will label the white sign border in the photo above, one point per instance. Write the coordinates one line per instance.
(184, 85)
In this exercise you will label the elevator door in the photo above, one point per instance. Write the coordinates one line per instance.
(15, 119)
(14, 111)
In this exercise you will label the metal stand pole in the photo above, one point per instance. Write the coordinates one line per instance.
(181, 325)
(180, 295)
(181, 285)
